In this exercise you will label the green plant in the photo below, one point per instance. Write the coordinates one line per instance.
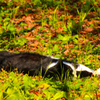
(96, 50)
(23, 87)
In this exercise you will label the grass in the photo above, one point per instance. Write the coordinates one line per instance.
(22, 87)
(64, 29)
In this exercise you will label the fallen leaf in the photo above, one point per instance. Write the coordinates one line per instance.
(89, 29)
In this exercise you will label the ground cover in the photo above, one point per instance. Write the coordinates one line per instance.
(61, 28)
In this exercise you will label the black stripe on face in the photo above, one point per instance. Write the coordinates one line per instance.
(84, 73)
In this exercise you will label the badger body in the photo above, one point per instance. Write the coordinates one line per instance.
(33, 64)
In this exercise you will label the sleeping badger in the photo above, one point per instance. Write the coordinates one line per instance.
(48, 66)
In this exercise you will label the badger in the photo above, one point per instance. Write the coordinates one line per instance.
(33, 64)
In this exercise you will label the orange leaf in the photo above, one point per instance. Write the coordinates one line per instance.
(66, 52)
(89, 29)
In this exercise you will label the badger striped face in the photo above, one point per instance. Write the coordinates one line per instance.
(76, 67)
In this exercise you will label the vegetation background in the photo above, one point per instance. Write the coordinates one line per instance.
(68, 29)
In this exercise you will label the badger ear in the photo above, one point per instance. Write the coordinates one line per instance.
(97, 73)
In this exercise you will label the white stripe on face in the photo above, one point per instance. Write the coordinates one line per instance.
(72, 67)
(83, 68)
(52, 64)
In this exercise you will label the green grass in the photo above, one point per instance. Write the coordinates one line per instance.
(64, 29)
(22, 87)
